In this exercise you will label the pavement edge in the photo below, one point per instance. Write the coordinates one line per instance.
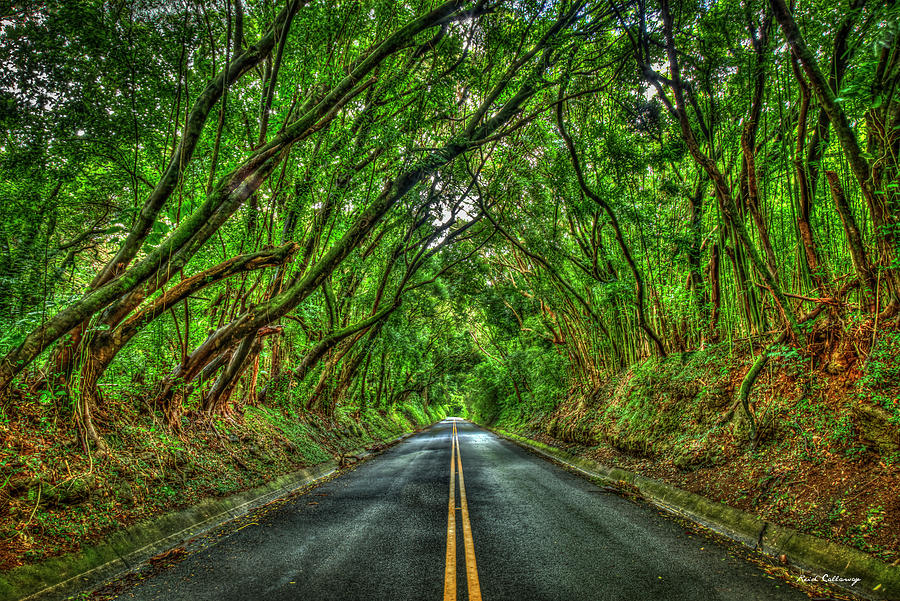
(823, 559)
(61, 577)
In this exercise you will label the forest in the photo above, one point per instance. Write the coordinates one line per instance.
(232, 228)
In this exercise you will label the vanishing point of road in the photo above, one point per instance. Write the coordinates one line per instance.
(455, 512)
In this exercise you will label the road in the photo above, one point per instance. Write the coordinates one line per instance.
(526, 529)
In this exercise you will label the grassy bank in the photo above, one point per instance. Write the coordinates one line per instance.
(825, 458)
(55, 498)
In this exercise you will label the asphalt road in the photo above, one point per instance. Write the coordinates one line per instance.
(538, 532)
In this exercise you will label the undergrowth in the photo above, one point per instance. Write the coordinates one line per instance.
(55, 497)
(828, 431)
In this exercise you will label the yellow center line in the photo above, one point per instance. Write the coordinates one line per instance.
(472, 583)
(450, 569)
(471, 568)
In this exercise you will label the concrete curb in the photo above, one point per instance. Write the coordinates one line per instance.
(825, 560)
(60, 577)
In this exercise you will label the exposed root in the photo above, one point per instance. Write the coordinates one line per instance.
(747, 385)
(87, 431)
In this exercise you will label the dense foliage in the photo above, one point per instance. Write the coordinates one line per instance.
(480, 204)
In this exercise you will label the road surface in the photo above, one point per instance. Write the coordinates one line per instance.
(516, 527)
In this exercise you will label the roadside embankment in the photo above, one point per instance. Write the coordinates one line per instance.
(70, 520)
(822, 462)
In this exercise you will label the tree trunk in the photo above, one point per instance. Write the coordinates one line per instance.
(868, 284)
(859, 165)
(727, 205)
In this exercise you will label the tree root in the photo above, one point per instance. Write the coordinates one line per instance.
(89, 434)
(747, 385)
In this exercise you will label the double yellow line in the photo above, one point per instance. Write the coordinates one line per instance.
(472, 584)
